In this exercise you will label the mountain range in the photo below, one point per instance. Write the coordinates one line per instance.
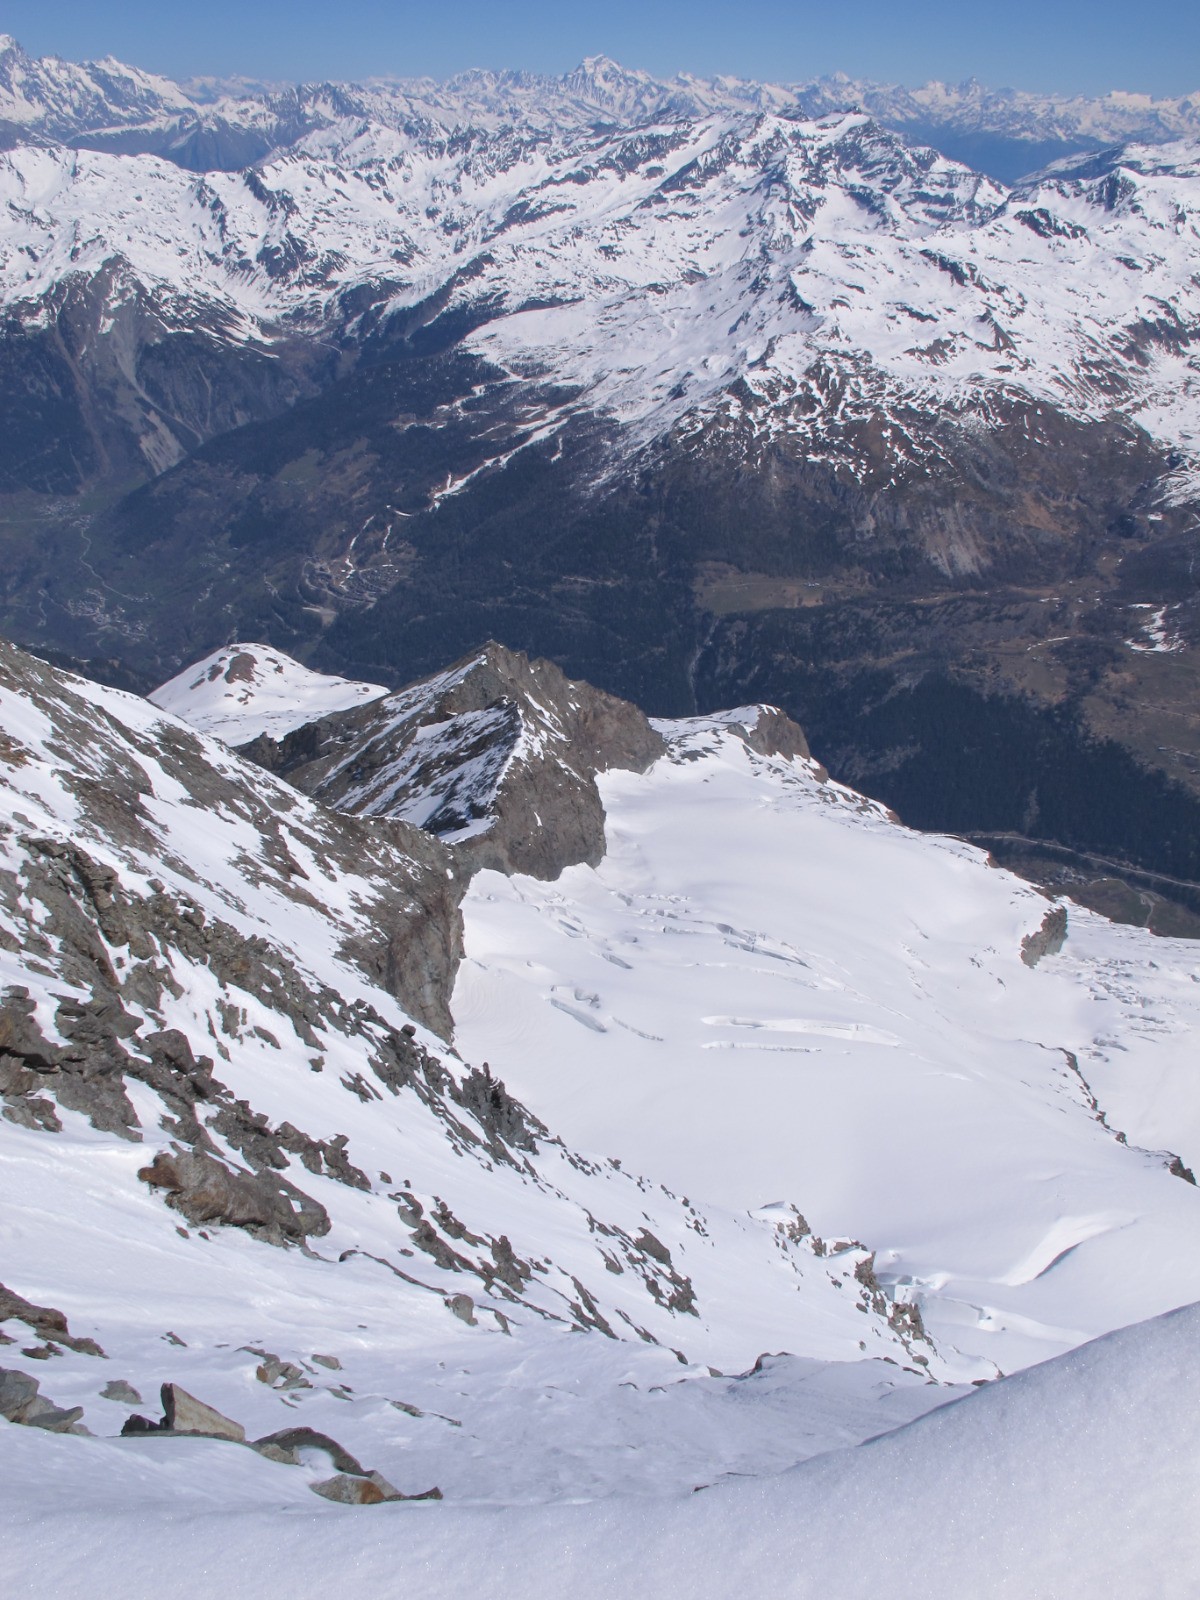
(209, 123)
(709, 392)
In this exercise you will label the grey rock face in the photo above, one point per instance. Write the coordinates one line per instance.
(1048, 940)
(498, 755)
(203, 1189)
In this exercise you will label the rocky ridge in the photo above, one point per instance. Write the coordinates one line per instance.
(497, 756)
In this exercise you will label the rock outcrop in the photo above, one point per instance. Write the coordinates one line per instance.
(1047, 940)
(20, 1402)
(498, 756)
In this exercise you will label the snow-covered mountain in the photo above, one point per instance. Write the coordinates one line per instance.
(210, 123)
(709, 395)
(789, 276)
(777, 1088)
(245, 691)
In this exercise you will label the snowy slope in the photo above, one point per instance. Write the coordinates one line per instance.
(771, 992)
(1078, 1477)
(815, 1127)
(223, 1141)
(246, 690)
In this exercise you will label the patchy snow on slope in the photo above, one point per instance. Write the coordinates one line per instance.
(508, 1317)
(1157, 637)
(245, 690)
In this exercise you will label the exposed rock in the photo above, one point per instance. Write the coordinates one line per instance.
(769, 732)
(203, 1189)
(44, 1320)
(372, 1490)
(55, 1419)
(347, 1490)
(183, 1413)
(185, 1416)
(331, 1362)
(1048, 940)
(498, 755)
(281, 1374)
(17, 1389)
(287, 1444)
(20, 1402)
(649, 1245)
(463, 1308)
(123, 1393)
(504, 1120)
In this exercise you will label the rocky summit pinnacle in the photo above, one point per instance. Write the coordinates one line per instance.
(497, 756)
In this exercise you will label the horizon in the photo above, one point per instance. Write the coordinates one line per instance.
(679, 75)
(1070, 50)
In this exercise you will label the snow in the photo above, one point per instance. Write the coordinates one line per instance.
(770, 990)
(1078, 1477)
(539, 1408)
(244, 691)
(742, 266)
(789, 1039)
(1157, 636)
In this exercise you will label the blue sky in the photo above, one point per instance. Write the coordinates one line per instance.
(1068, 45)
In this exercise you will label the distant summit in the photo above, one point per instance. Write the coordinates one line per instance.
(211, 124)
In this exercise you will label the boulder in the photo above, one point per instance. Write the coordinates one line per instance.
(43, 1413)
(463, 1308)
(183, 1413)
(17, 1389)
(287, 1444)
(20, 1402)
(120, 1391)
(371, 1490)
(347, 1490)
